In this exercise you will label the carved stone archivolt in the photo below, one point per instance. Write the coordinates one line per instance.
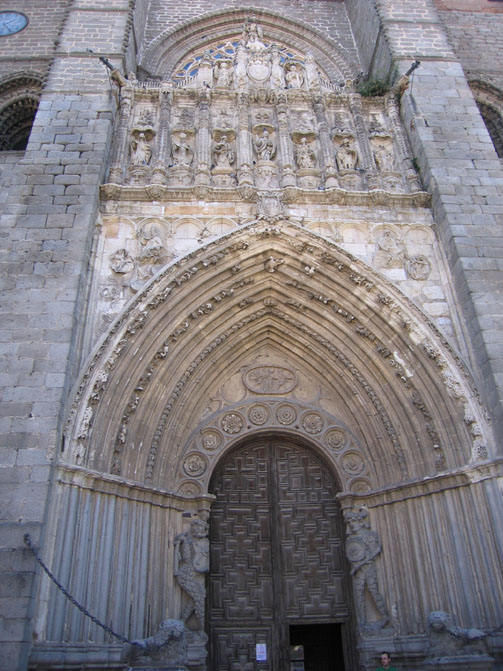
(399, 350)
(220, 432)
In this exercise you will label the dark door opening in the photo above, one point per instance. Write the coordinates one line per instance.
(316, 647)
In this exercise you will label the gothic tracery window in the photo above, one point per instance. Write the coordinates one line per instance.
(19, 98)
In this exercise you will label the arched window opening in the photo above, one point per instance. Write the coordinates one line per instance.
(494, 124)
(19, 98)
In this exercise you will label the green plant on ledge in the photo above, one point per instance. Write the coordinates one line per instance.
(374, 87)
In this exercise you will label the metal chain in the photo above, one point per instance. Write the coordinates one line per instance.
(94, 619)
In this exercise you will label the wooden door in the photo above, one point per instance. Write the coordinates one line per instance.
(277, 556)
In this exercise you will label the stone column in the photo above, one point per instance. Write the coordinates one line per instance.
(118, 158)
(287, 157)
(244, 151)
(366, 156)
(327, 148)
(401, 145)
(159, 172)
(203, 142)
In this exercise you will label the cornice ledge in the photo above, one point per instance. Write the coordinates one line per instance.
(435, 484)
(105, 483)
(290, 195)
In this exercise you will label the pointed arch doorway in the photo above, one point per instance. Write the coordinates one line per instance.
(278, 593)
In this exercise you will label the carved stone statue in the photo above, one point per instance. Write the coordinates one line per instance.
(277, 74)
(265, 146)
(240, 76)
(182, 151)
(305, 156)
(312, 76)
(448, 640)
(294, 77)
(223, 155)
(384, 158)
(252, 36)
(141, 151)
(223, 73)
(362, 547)
(168, 645)
(191, 563)
(347, 156)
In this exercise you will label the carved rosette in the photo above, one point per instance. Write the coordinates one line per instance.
(335, 439)
(286, 414)
(232, 422)
(312, 422)
(210, 440)
(258, 414)
(195, 464)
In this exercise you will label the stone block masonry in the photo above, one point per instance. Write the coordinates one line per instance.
(47, 229)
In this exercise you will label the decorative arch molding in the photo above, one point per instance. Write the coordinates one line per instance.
(225, 429)
(166, 50)
(489, 100)
(375, 360)
(19, 97)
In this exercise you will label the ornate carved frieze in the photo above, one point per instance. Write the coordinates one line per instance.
(220, 431)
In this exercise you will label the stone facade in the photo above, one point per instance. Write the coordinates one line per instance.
(214, 236)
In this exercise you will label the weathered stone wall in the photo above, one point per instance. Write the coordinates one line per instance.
(459, 166)
(476, 40)
(47, 226)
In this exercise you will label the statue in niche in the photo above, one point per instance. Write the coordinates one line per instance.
(223, 74)
(265, 146)
(182, 151)
(191, 563)
(141, 151)
(222, 153)
(167, 645)
(294, 77)
(390, 253)
(362, 547)
(305, 156)
(347, 156)
(252, 36)
(312, 76)
(448, 640)
(240, 76)
(385, 161)
(277, 74)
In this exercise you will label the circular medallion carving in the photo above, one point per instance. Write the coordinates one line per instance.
(352, 463)
(211, 439)
(270, 380)
(360, 486)
(232, 422)
(189, 488)
(258, 415)
(286, 414)
(194, 464)
(312, 422)
(355, 550)
(335, 439)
